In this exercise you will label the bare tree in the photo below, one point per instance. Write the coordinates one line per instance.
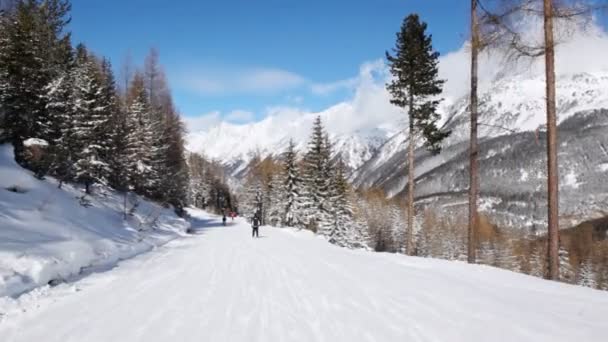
(500, 23)
(552, 172)
(126, 72)
(474, 148)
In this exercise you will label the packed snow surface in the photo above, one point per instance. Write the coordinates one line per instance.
(222, 285)
(46, 234)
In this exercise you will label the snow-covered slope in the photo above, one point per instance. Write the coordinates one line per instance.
(46, 234)
(288, 285)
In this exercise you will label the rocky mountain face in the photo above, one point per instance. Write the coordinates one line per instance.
(512, 154)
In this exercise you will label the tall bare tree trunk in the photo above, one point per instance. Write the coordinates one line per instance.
(552, 172)
(473, 149)
(410, 183)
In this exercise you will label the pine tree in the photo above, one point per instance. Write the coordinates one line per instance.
(396, 216)
(90, 121)
(586, 275)
(343, 230)
(140, 135)
(316, 176)
(116, 132)
(276, 198)
(565, 267)
(415, 87)
(176, 179)
(292, 213)
(59, 129)
(32, 51)
(537, 264)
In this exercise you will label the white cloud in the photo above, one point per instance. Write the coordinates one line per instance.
(203, 122)
(369, 106)
(220, 81)
(240, 116)
(582, 48)
(328, 88)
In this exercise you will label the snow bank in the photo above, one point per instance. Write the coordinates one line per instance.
(47, 235)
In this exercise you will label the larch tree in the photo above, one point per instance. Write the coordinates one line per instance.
(415, 87)
(473, 145)
(501, 26)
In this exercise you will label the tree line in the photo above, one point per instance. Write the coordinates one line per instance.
(310, 191)
(67, 99)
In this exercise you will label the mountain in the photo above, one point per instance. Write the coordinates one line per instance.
(512, 153)
(512, 150)
(235, 145)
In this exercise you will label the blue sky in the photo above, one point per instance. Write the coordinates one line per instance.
(237, 58)
(248, 55)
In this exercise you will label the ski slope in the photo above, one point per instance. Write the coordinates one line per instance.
(222, 285)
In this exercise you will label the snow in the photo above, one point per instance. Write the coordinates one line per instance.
(46, 234)
(524, 175)
(603, 167)
(288, 285)
(35, 142)
(571, 180)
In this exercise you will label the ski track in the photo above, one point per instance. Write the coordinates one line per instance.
(222, 285)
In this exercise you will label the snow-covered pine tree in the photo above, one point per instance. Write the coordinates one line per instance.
(537, 263)
(177, 178)
(253, 201)
(566, 271)
(58, 129)
(140, 137)
(292, 189)
(115, 136)
(326, 216)
(90, 121)
(343, 230)
(586, 275)
(30, 59)
(276, 195)
(315, 174)
(198, 185)
(396, 217)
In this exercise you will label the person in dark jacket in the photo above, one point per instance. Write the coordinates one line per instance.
(224, 219)
(255, 224)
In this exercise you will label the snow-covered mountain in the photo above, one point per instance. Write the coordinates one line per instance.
(512, 152)
(234, 145)
(510, 105)
(512, 116)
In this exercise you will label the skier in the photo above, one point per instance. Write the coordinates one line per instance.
(224, 219)
(255, 224)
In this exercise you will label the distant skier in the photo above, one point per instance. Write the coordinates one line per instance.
(224, 219)
(255, 224)
(232, 215)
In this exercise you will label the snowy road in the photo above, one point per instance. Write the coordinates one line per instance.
(221, 285)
